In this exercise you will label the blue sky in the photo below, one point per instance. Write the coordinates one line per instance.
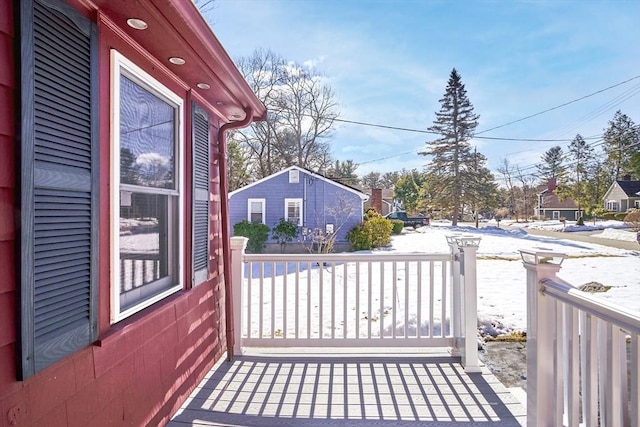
(388, 63)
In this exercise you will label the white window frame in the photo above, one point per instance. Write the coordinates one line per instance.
(636, 204)
(286, 210)
(613, 205)
(120, 65)
(294, 176)
(263, 210)
(555, 215)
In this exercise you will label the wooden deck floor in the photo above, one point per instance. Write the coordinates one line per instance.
(348, 387)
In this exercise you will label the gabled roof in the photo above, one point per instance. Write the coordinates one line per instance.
(551, 201)
(360, 194)
(630, 188)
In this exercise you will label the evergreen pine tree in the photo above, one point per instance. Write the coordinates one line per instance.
(551, 167)
(621, 143)
(452, 158)
(344, 172)
(481, 190)
(407, 190)
(581, 158)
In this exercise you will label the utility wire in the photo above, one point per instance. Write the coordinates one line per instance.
(377, 125)
(436, 133)
(560, 106)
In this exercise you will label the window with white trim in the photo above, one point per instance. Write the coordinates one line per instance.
(255, 210)
(556, 214)
(147, 189)
(636, 204)
(293, 211)
(294, 176)
(612, 205)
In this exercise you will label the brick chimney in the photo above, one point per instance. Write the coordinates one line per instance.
(376, 199)
(627, 177)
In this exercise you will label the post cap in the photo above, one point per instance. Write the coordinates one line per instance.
(451, 238)
(239, 242)
(467, 241)
(542, 256)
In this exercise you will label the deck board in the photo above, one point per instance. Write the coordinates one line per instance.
(347, 387)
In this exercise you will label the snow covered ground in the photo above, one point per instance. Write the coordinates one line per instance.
(501, 281)
(501, 276)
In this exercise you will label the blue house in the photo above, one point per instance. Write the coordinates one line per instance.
(318, 205)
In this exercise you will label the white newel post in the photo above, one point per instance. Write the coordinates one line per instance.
(456, 300)
(238, 245)
(468, 247)
(541, 318)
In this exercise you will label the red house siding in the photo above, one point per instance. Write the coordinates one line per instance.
(141, 369)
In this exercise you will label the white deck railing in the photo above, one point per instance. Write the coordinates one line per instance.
(583, 353)
(357, 300)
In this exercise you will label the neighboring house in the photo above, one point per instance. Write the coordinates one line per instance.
(313, 202)
(550, 207)
(113, 230)
(623, 195)
(381, 199)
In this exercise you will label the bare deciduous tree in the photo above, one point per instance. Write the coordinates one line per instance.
(334, 218)
(301, 112)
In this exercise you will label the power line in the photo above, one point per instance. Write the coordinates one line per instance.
(405, 129)
(560, 106)
(608, 106)
(376, 125)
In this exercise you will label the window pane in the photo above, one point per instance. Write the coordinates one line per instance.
(145, 263)
(293, 212)
(256, 212)
(147, 137)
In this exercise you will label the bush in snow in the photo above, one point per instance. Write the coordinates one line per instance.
(374, 232)
(398, 226)
(284, 232)
(257, 233)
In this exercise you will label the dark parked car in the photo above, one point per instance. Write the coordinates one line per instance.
(409, 221)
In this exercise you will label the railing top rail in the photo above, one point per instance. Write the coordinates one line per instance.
(348, 257)
(616, 314)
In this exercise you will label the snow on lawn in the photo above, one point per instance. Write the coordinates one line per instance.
(501, 286)
(501, 276)
(615, 234)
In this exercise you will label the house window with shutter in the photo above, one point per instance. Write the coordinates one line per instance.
(146, 187)
(255, 210)
(58, 247)
(293, 211)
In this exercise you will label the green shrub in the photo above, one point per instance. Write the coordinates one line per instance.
(370, 213)
(580, 221)
(284, 232)
(359, 238)
(398, 226)
(617, 216)
(256, 232)
(374, 232)
(380, 231)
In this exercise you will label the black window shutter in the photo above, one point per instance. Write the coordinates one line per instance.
(201, 165)
(59, 183)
